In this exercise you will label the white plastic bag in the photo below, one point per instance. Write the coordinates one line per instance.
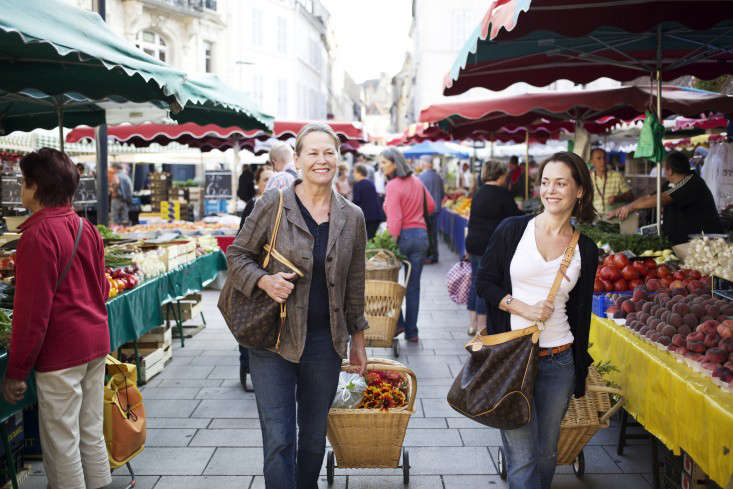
(350, 391)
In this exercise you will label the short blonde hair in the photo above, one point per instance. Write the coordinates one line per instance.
(280, 151)
(316, 127)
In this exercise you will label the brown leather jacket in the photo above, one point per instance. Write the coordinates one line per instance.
(345, 265)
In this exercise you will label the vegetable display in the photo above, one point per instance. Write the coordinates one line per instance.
(106, 232)
(383, 240)
(635, 243)
(713, 256)
(6, 323)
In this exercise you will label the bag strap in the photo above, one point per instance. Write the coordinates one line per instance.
(73, 253)
(275, 229)
(569, 252)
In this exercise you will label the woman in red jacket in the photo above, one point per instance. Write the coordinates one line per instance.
(60, 324)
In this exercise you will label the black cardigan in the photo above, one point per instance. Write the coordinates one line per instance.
(489, 207)
(493, 282)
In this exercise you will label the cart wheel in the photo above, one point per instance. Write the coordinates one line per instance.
(396, 347)
(579, 465)
(501, 462)
(405, 466)
(330, 466)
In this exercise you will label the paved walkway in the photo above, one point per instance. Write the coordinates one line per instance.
(203, 431)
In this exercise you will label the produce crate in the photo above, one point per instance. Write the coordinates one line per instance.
(601, 302)
(152, 360)
(159, 337)
(190, 308)
(31, 433)
(22, 471)
(16, 433)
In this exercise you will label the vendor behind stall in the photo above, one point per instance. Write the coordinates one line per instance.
(688, 204)
(609, 187)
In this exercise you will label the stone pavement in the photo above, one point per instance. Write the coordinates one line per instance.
(203, 431)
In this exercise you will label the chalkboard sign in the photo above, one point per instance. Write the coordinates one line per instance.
(86, 192)
(10, 190)
(218, 185)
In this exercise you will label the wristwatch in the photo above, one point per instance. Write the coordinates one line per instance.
(508, 300)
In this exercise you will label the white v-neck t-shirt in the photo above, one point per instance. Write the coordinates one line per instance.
(532, 278)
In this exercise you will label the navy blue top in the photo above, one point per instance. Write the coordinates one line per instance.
(365, 196)
(318, 308)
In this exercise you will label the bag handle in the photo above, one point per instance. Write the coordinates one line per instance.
(73, 254)
(569, 251)
(275, 229)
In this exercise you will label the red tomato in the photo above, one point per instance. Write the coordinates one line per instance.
(640, 267)
(650, 263)
(608, 261)
(663, 271)
(620, 260)
(620, 284)
(652, 273)
(610, 273)
(598, 285)
(607, 285)
(665, 282)
(694, 275)
(629, 273)
(635, 283)
(679, 275)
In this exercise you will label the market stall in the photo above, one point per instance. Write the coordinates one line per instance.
(453, 228)
(682, 407)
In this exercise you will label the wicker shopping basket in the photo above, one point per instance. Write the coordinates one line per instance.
(382, 264)
(371, 437)
(585, 416)
(382, 306)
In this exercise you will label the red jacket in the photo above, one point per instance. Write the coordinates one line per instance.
(54, 331)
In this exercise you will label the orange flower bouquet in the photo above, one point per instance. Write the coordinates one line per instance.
(385, 390)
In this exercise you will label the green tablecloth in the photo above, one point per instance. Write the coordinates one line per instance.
(6, 409)
(137, 311)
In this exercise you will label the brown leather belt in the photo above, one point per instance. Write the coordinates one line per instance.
(554, 351)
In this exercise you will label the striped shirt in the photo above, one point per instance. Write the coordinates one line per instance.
(282, 179)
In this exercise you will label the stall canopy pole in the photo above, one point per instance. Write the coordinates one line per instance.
(100, 133)
(60, 117)
(526, 166)
(659, 118)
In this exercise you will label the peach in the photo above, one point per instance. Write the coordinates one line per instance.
(665, 340)
(684, 330)
(696, 336)
(669, 330)
(716, 355)
(712, 366)
(711, 340)
(695, 346)
(727, 345)
(678, 340)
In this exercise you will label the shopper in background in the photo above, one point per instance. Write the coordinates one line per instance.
(80, 168)
(689, 207)
(515, 276)
(466, 177)
(516, 178)
(281, 157)
(365, 196)
(434, 183)
(609, 187)
(60, 324)
(403, 206)
(492, 204)
(246, 186)
(121, 197)
(342, 181)
(324, 236)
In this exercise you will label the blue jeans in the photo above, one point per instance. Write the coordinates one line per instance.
(244, 357)
(531, 451)
(475, 302)
(287, 393)
(413, 243)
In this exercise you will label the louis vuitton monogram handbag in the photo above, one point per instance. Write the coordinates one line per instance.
(496, 385)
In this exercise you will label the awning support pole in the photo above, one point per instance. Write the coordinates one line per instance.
(526, 166)
(659, 118)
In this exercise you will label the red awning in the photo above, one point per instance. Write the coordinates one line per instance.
(593, 107)
(210, 136)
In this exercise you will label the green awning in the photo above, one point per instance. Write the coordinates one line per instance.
(58, 49)
(32, 109)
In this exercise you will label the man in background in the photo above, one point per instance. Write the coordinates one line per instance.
(434, 184)
(121, 196)
(246, 187)
(516, 178)
(281, 157)
(609, 187)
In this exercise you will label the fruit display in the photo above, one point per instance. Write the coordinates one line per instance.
(712, 256)
(121, 279)
(618, 273)
(460, 205)
(6, 324)
(686, 321)
(185, 227)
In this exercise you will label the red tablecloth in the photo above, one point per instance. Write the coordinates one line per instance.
(224, 242)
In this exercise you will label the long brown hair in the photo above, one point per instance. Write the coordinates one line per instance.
(583, 210)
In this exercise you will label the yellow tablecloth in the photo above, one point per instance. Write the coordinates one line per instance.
(681, 407)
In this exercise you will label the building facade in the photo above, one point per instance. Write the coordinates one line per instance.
(274, 50)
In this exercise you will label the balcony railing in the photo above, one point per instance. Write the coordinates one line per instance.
(186, 6)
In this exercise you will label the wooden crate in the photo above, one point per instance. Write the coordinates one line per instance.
(152, 361)
(156, 338)
(189, 309)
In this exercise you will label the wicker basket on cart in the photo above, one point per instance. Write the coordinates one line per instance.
(585, 416)
(382, 306)
(371, 438)
(382, 264)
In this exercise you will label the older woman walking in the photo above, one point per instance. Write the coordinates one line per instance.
(404, 206)
(60, 324)
(323, 234)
